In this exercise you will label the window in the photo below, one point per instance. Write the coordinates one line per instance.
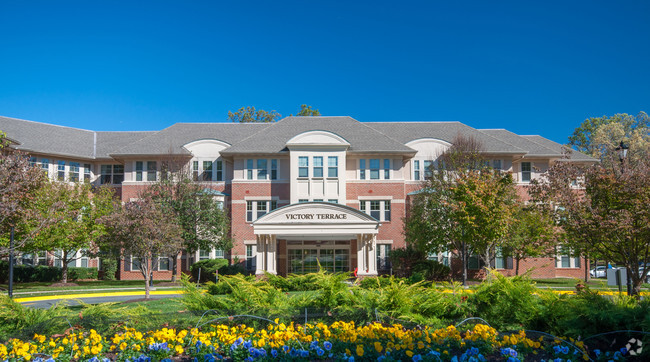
(362, 169)
(333, 201)
(428, 169)
(303, 166)
(525, 171)
(45, 165)
(416, 169)
(204, 254)
(257, 209)
(195, 170)
(73, 176)
(207, 171)
(87, 172)
(302, 200)
(383, 257)
(61, 171)
(151, 171)
(502, 260)
(118, 174)
(249, 169)
(377, 169)
(32, 161)
(219, 170)
(250, 257)
(374, 168)
(332, 166)
(496, 164)
(566, 259)
(261, 169)
(163, 264)
(386, 169)
(379, 209)
(318, 166)
(135, 263)
(111, 174)
(138, 170)
(274, 169)
(106, 174)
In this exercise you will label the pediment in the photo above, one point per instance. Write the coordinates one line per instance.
(318, 138)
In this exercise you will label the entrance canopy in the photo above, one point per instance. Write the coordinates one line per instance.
(316, 218)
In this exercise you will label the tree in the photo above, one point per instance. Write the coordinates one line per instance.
(597, 136)
(77, 228)
(464, 207)
(145, 231)
(530, 235)
(306, 111)
(605, 212)
(203, 221)
(250, 114)
(19, 183)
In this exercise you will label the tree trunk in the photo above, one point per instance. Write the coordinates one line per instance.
(517, 266)
(174, 267)
(145, 267)
(64, 267)
(586, 268)
(463, 256)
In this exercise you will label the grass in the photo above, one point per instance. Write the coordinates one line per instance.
(594, 283)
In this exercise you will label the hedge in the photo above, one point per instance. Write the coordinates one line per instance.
(42, 273)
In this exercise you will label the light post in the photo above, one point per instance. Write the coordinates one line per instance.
(622, 155)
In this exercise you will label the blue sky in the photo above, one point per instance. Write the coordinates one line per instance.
(530, 67)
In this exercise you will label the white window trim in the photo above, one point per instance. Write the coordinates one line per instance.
(382, 169)
(113, 174)
(572, 259)
(145, 171)
(269, 169)
(254, 210)
(201, 169)
(521, 172)
(382, 206)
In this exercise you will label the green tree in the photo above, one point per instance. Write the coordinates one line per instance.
(599, 136)
(250, 114)
(143, 230)
(604, 211)
(203, 221)
(464, 207)
(306, 111)
(530, 235)
(77, 211)
(19, 184)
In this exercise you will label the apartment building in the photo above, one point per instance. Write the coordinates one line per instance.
(300, 192)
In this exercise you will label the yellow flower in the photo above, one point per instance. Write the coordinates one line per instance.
(378, 347)
(409, 353)
(359, 350)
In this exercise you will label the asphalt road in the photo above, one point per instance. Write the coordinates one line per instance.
(43, 302)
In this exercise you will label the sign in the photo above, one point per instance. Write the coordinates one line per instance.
(337, 216)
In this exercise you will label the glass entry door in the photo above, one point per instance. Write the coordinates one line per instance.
(304, 257)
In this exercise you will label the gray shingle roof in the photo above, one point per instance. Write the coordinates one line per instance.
(39, 137)
(533, 148)
(361, 136)
(171, 139)
(560, 149)
(108, 142)
(405, 132)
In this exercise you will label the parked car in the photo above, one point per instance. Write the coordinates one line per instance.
(599, 272)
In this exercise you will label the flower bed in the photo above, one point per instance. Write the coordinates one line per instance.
(340, 341)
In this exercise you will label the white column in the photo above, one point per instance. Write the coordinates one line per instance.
(260, 255)
(366, 258)
(271, 255)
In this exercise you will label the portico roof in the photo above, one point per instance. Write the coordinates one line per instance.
(315, 218)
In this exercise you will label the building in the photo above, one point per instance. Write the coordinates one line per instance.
(301, 191)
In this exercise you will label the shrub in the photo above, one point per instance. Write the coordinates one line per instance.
(208, 269)
(109, 267)
(414, 264)
(29, 273)
(75, 273)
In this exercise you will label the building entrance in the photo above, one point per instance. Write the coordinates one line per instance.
(306, 256)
